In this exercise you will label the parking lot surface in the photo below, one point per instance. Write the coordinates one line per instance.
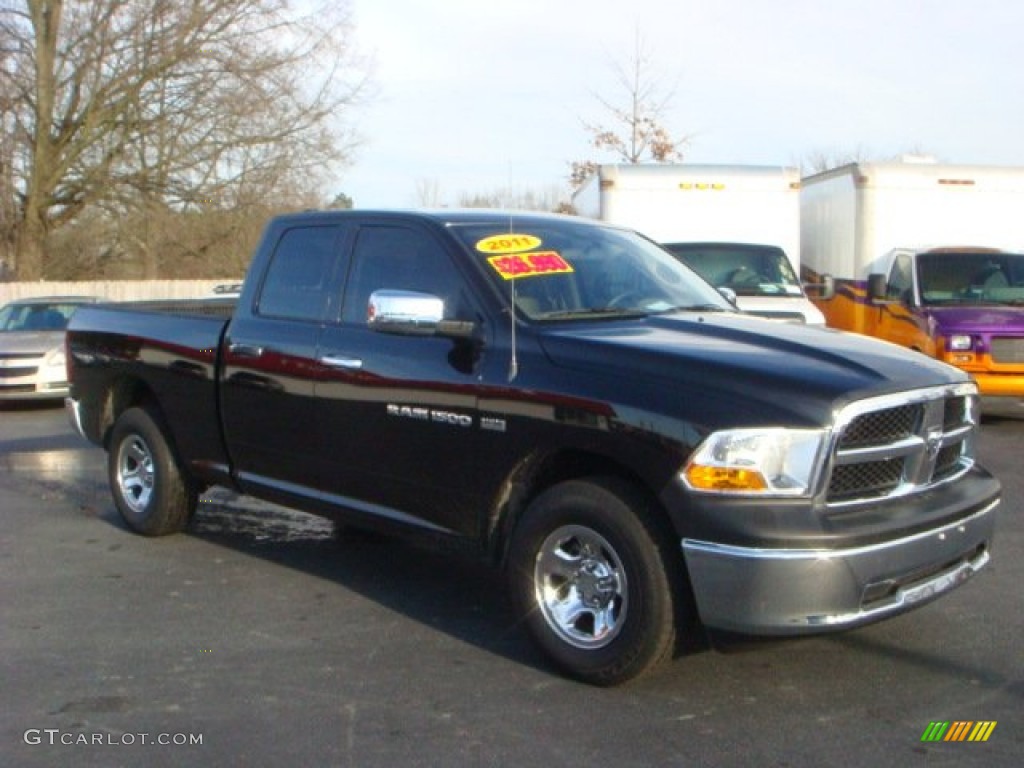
(262, 636)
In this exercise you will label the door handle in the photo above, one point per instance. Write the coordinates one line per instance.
(337, 361)
(245, 350)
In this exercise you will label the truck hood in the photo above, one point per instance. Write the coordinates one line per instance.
(756, 371)
(995, 320)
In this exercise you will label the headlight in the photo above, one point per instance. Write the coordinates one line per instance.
(959, 342)
(55, 358)
(774, 462)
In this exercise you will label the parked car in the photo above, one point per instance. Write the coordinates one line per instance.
(32, 361)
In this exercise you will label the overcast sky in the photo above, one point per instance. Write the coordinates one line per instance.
(479, 95)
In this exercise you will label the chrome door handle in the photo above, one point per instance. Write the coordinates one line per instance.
(245, 350)
(337, 361)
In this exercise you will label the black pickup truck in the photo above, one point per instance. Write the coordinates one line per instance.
(565, 399)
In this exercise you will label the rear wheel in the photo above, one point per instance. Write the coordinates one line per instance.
(595, 581)
(149, 489)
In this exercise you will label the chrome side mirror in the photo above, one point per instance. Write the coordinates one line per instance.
(409, 313)
(821, 287)
(404, 312)
(877, 287)
(828, 287)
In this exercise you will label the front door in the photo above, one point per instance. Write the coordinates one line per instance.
(398, 414)
(899, 320)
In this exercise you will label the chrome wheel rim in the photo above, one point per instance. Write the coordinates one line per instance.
(135, 476)
(580, 587)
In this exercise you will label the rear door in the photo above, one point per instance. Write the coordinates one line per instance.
(269, 367)
(398, 414)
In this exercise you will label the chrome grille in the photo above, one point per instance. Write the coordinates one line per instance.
(880, 427)
(870, 478)
(948, 461)
(956, 413)
(1007, 350)
(902, 444)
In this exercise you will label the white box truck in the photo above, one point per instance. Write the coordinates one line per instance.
(738, 226)
(929, 256)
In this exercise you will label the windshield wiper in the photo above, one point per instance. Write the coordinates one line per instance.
(603, 312)
(695, 308)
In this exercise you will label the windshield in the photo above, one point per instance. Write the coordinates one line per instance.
(971, 277)
(36, 317)
(567, 270)
(749, 270)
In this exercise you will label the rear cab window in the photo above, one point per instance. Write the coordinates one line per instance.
(296, 283)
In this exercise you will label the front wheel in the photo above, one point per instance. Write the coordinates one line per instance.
(594, 579)
(150, 492)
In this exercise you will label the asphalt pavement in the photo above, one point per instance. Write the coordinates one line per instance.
(263, 637)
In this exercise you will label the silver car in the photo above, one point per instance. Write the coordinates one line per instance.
(32, 362)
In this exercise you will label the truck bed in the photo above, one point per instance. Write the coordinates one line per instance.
(165, 347)
(217, 307)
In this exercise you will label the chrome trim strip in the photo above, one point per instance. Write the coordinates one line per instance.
(905, 447)
(848, 413)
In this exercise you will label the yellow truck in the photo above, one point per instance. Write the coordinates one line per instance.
(929, 256)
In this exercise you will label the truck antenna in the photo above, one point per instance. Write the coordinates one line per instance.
(513, 363)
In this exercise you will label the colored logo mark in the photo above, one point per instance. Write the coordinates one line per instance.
(959, 730)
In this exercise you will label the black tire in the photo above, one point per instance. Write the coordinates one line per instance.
(596, 581)
(149, 489)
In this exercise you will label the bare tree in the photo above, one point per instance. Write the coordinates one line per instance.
(8, 205)
(636, 132)
(548, 199)
(428, 193)
(821, 160)
(155, 106)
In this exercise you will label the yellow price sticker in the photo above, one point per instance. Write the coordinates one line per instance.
(514, 265)
(510, 243)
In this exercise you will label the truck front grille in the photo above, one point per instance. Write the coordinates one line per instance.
(901, 444)
(871, 478)
(18, 373)
(18, 365)
(17, 388)
(1007, 350)
(881, 427)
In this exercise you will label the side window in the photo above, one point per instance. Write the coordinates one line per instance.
(399, 259)
(296, 284)
(901, 281)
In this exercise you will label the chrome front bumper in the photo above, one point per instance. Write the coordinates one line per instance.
(799, 591)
